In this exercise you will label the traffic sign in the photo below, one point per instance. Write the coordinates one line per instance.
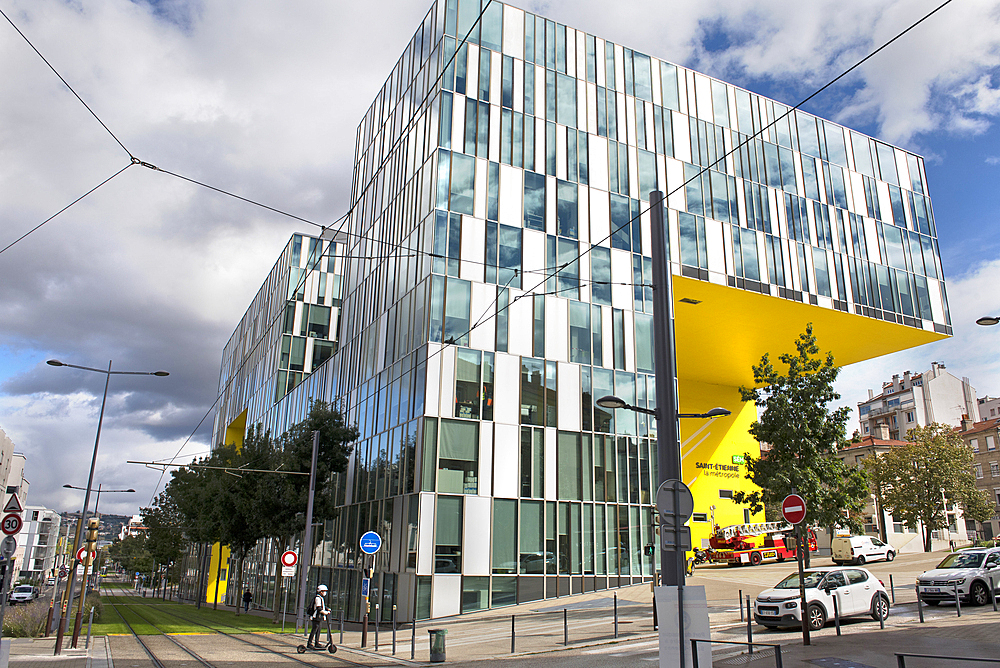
(289, 558)
(371, 543)
(793, 509)
(675, 505)
(81, 554)
(365, 587)
(8, 546)
(13, 505)
(11, 524)
(287, 571)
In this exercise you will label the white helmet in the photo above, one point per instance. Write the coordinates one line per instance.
(322, 589)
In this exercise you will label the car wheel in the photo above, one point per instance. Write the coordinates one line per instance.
(979, 594)
(890, 555)
(861, 560)
(932, 602)
(880, 607)
(817, 617)
(755, 558)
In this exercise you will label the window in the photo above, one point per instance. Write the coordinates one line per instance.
(534, 201)
(909, 416)
(463, 180)
(694, 252)
(448, 535)
(600, 275)
(990, 443)
(532, 397)
(504, 544)
(996, 492)
(725, 494)
(978, 468)
(579, 332)
(995, 469)
(974, 444)
(566, 209)
(699, 517)
(467, 375)
(458, 458)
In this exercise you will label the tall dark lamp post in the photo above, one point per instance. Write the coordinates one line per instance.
(90, 485)
(97, 504)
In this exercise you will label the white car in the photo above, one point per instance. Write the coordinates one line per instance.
(22, 594)
(969, 570)
(857, 592)
(859, 549)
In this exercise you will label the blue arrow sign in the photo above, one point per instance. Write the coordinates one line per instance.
(371, 542)
(365, 584)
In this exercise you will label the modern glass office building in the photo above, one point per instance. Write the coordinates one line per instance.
(496, 282)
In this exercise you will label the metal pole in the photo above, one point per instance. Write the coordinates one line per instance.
(749, 625)
(741, 605)
(993, 596)
(836, 613)
(83, 518)
(284, 606)
(342, 627)
(668, 451)
(307, 538)
(565, 627)
(394, 629)
(512, 634)
(920, 605)
(892, 588)
(90, 622)
(616, 615)
(958, 603)
(800, 544)
(5, 578)
(376, 626)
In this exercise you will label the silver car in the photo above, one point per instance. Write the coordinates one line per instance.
(856, 591)
(968, 571)
(22, 594)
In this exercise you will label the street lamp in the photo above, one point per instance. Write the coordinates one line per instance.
(613, 402)
(988, 320)
(99, 490)
(90, 486)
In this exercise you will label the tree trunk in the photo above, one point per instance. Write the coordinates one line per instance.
(927, 538)
(279, 590)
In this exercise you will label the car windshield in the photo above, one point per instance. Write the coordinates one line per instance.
(963, 560)
(792, 581)
(26, 588)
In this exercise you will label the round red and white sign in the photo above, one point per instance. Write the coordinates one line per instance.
(81, 554)
(793, 509)
(11, 524)
(289, 558)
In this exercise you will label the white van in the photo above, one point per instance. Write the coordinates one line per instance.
(859, 549)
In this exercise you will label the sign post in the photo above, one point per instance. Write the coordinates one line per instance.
(11, 524)
(793, 509)
(370, 544)
(288, 560)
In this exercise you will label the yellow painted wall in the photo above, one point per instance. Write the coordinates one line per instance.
(707, 450)
(213, 572)
(236, 430)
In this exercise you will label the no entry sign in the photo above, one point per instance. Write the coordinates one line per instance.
(289, 558)
(793, 509)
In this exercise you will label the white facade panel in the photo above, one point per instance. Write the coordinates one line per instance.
(425, 535)
(446, 592)
(556, 329)
(433, 386)
(569, 397)
(481, 307)
(550, 464)
(485, 458)
(506, 447)
(476, 545)
(511, 205)
(519, 332)
(473, 246)
(621, 277)
(513, 31)
(507, 397)
(447, 381)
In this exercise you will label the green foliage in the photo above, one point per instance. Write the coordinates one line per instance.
(94, 601)
(804, 435)
(163, 522)
(911, 479)
(132, 554)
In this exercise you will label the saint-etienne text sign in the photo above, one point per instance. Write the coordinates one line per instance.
(371, 543)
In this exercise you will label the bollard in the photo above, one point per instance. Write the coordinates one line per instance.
(958, 602)
(616, 615)
(836, 613)
(749, 626)
(376, 626)
(565, 627)
(341, 626)
(394, 630)
(90, 623)
(777, 656)
(512, 634)
(993, 594)
(892, 588)
(413, 637)
(920, 605)
(741, 605)
(881, 620)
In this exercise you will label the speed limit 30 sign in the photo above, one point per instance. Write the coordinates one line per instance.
(11, 524)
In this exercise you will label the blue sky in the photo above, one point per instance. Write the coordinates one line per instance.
(263, 99)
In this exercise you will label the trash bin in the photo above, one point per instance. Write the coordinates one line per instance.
(437, 644)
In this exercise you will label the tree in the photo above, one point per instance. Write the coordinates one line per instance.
(804, 435)
(132, 554)
(918, 478)
(164, 532)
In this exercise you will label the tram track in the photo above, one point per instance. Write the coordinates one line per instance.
(237, 634)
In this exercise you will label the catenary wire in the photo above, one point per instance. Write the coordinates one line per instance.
(66, 83)
(39, 225)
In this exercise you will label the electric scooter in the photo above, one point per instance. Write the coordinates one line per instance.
(330, 647)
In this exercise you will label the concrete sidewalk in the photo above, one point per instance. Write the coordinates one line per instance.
(38, 653)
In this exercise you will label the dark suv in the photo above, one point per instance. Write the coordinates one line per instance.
(971, 570)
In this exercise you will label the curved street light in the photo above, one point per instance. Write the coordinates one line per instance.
(99, 490)
(988, 320)
(613, 402)
(90, 486)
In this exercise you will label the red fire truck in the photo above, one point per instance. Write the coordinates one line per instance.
(740, 543)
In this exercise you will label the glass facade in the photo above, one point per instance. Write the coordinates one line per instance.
(498, 151)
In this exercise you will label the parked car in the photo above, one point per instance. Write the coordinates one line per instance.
(50, 582)
(859, 549)
(969, 570)
(857, 592)
(23, 594)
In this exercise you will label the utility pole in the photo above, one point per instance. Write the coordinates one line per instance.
(307, 538)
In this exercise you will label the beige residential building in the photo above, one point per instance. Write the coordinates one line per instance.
(984, 440)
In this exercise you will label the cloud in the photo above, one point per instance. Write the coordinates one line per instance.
(993, 160)
(264, 100)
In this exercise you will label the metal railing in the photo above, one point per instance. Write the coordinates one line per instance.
(901, 658)
(749, 645)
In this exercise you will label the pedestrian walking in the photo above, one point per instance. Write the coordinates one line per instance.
(247, 600)
(317, 615)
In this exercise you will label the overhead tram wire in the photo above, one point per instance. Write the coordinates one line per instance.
(78, 199)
